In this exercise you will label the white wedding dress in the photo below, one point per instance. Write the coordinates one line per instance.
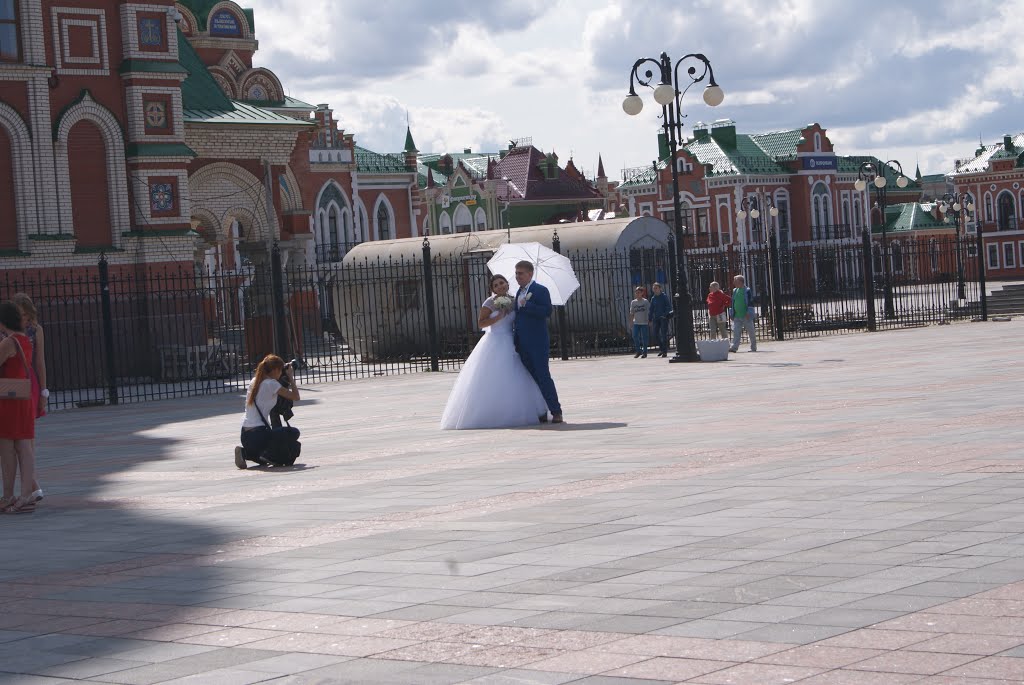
(494, 389)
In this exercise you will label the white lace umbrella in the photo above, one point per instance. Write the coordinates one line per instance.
(550, 269)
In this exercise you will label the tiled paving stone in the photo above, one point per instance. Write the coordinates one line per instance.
(549, 554)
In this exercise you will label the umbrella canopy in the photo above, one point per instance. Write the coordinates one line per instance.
(550, 269)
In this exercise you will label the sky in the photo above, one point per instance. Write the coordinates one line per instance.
(919, 81)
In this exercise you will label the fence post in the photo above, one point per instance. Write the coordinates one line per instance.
(869, 276)
(108, 329)
(563, 324)
(277, 303)
(428, 292)
(981, 272)
(775, 272)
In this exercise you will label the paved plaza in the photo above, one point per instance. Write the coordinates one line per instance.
(834, 511)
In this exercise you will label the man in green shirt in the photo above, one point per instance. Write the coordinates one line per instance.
(742, 311)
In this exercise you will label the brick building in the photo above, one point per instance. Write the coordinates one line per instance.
(143, 131)
(797, 171)
(994, 181)
(520, 186)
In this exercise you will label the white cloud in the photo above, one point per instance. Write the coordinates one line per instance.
(918, 76)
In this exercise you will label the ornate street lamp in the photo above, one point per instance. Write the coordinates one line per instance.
(874, 173)
(958, 206)
(668, 95)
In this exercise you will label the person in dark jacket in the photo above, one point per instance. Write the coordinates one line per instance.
(661, 313)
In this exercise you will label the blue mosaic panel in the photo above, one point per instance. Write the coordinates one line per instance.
(151, 32)
(161, 197)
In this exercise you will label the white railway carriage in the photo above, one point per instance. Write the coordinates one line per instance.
(380, 304)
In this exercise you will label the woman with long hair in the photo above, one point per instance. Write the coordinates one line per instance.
(34, 331)
(17, 416)
(261, 443)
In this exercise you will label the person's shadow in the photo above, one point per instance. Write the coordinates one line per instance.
(595, 426)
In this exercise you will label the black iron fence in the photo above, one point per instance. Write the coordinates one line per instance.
(132, 333)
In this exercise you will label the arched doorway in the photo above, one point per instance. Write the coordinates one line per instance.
(8, 213)
(90, 197)
(1006, 212)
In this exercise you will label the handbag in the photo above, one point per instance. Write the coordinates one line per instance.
(17, 388)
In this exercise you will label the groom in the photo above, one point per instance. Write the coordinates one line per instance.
(533, 307)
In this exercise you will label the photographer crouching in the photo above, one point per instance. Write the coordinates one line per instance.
(263, 442)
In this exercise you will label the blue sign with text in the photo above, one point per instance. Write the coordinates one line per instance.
(819, 163)
(225, 23)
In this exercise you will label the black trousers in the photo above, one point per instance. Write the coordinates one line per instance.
(274, 445)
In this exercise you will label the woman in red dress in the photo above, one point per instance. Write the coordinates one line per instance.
(17, 417)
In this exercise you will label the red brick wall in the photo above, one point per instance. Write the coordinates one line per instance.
(8, 217)
(87, 161)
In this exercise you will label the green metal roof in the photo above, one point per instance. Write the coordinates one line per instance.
(199, 91)
(640, 176)
(158, 150)
(996, 151)
(242, 113)
(203, 101)
(475, 162)
(370, 162)
(151, 66)
(779, 143)
(910, 216)
(752, 154)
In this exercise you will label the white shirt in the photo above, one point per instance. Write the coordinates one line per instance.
(266, 398)
(522, 291)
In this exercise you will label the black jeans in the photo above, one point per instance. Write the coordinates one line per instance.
(661, 334)
(274, 444)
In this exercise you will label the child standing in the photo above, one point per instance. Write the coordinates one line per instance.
(742, 314)
(718, 301)
(639, 315)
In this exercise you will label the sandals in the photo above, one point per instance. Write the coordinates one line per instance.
(21, 505)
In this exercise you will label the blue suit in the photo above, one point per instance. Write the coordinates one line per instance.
(532, 341)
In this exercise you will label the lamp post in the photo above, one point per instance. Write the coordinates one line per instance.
(874, 173)
(668, 95)
(959, 206)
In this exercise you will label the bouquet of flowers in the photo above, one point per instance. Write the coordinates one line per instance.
(503, 302)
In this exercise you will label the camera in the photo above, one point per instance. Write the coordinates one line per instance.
(283, 409)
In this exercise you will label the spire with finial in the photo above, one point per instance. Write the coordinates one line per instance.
(409, 145)
(917, 174)
(600, 167)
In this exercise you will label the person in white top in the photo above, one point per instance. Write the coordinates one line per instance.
(260, 443)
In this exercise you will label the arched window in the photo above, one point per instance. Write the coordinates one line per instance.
(331, 230)
(817, 142)
(821, 210)
(1007, 211)
(10, 48)
(446, 223)
(988, 207)
(846, 218)
(896, 256)
(360, 232)
(384, 228)
(857, 213)
(463, 219)
(481, 219)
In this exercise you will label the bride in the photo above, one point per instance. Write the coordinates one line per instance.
(494, 389)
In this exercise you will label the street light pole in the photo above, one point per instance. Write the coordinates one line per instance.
(959, 206)
(668, 95)
(874, 173)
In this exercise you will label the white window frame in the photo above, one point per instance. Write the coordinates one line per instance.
(992, 249)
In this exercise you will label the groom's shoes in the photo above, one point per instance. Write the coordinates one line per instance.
(557, 418)
(543, 418)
